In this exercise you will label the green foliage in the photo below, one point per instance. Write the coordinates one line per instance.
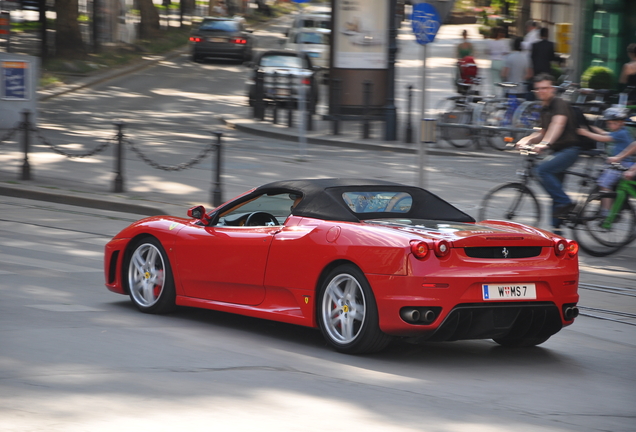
(598, 77)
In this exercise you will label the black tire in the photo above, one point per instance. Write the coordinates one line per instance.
(521, 342)
(347, 312)
(528, 115)
(495, 115)
(450, 112)
(511, 202)
(149, 277)
(597, 240)
(196, 58)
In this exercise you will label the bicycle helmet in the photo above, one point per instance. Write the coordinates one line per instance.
(615, 113)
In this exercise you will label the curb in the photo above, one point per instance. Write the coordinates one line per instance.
(270, 131)
(104, 203)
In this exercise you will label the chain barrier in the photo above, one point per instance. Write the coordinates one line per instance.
(11, 132)
(179, 167)
(97, 149)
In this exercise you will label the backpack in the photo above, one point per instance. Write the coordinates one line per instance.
(580, 121)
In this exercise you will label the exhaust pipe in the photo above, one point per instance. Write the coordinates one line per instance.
(410, 315)
(428, 316)
(570, 313)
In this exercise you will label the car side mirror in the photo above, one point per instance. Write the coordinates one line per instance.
(198, 212)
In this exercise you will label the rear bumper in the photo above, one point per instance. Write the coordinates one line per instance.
(203, 49)
(460, 312)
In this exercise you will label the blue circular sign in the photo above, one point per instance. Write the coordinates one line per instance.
(426, 22)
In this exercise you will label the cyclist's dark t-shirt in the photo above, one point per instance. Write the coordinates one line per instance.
(569, 137)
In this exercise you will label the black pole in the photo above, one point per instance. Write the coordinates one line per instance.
(335, 103)
(26, 166)
(119, 158)
(259, 104)
(290, 100)
(366, 93)
(217, 195)
(275, 96)
(390, 133)
(409, 127)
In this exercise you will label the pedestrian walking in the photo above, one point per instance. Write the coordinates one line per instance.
(542, 54)
(628, 74)
(532, 36)
(498, 49)
(516, 69)
(465, 48)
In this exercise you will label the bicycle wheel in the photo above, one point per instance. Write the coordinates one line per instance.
(527, 116)
(496, 114)
(513, 202)
(453, 112)
(597, 238)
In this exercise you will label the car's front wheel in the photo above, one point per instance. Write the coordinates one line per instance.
(150, 281)
(348, 314)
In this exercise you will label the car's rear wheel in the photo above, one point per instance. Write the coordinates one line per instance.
(150, 281)
(348, 314)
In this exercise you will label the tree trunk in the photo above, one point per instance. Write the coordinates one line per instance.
(149, 25)
(523, 16)
(68, 39)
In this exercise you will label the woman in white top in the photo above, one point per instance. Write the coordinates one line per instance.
(498, 48)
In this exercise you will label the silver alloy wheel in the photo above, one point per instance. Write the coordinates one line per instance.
(146, 275)
(343, 308)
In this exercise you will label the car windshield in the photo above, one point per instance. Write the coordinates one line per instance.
(277, 205)
(312, 38)
(282, 61)
(220, 25)
(383, 202)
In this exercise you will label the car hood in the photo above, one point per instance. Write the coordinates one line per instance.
(460, 234)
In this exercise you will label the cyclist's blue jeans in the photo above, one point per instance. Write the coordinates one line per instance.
(550, 173)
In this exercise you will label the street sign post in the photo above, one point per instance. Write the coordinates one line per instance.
(426, 22)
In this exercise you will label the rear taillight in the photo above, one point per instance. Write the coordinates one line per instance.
(306, 81)
(560, 247)
(572, 248)
(419, 249)
(195, 39)
(442, 248)
(239, 41)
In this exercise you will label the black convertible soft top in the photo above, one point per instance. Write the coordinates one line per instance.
(322, 199)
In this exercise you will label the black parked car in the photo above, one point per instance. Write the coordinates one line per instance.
(221, 38)
(278, 66)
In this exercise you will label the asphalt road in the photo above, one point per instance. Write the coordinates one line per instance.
(76, 357)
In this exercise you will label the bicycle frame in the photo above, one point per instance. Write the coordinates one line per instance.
(624, 189)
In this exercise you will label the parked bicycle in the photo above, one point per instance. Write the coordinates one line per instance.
(503, 115)
(455, 116)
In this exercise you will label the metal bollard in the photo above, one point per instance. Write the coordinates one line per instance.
(408, 138)
(275, 96)
(26, 166)
(259, 91)
(310, 108)
(118, 185)
(290, 100)
(335, 103)
(366, 94)
(217, 195)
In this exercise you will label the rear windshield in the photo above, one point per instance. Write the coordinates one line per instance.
(312, 38)
(282, 61)
(373, 202)
(316, 23)
(226, 26)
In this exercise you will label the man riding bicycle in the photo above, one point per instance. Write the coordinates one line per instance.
(558, 136)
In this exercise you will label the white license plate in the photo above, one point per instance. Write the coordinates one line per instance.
(509, 292)
(282, 92)
(216, 39)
